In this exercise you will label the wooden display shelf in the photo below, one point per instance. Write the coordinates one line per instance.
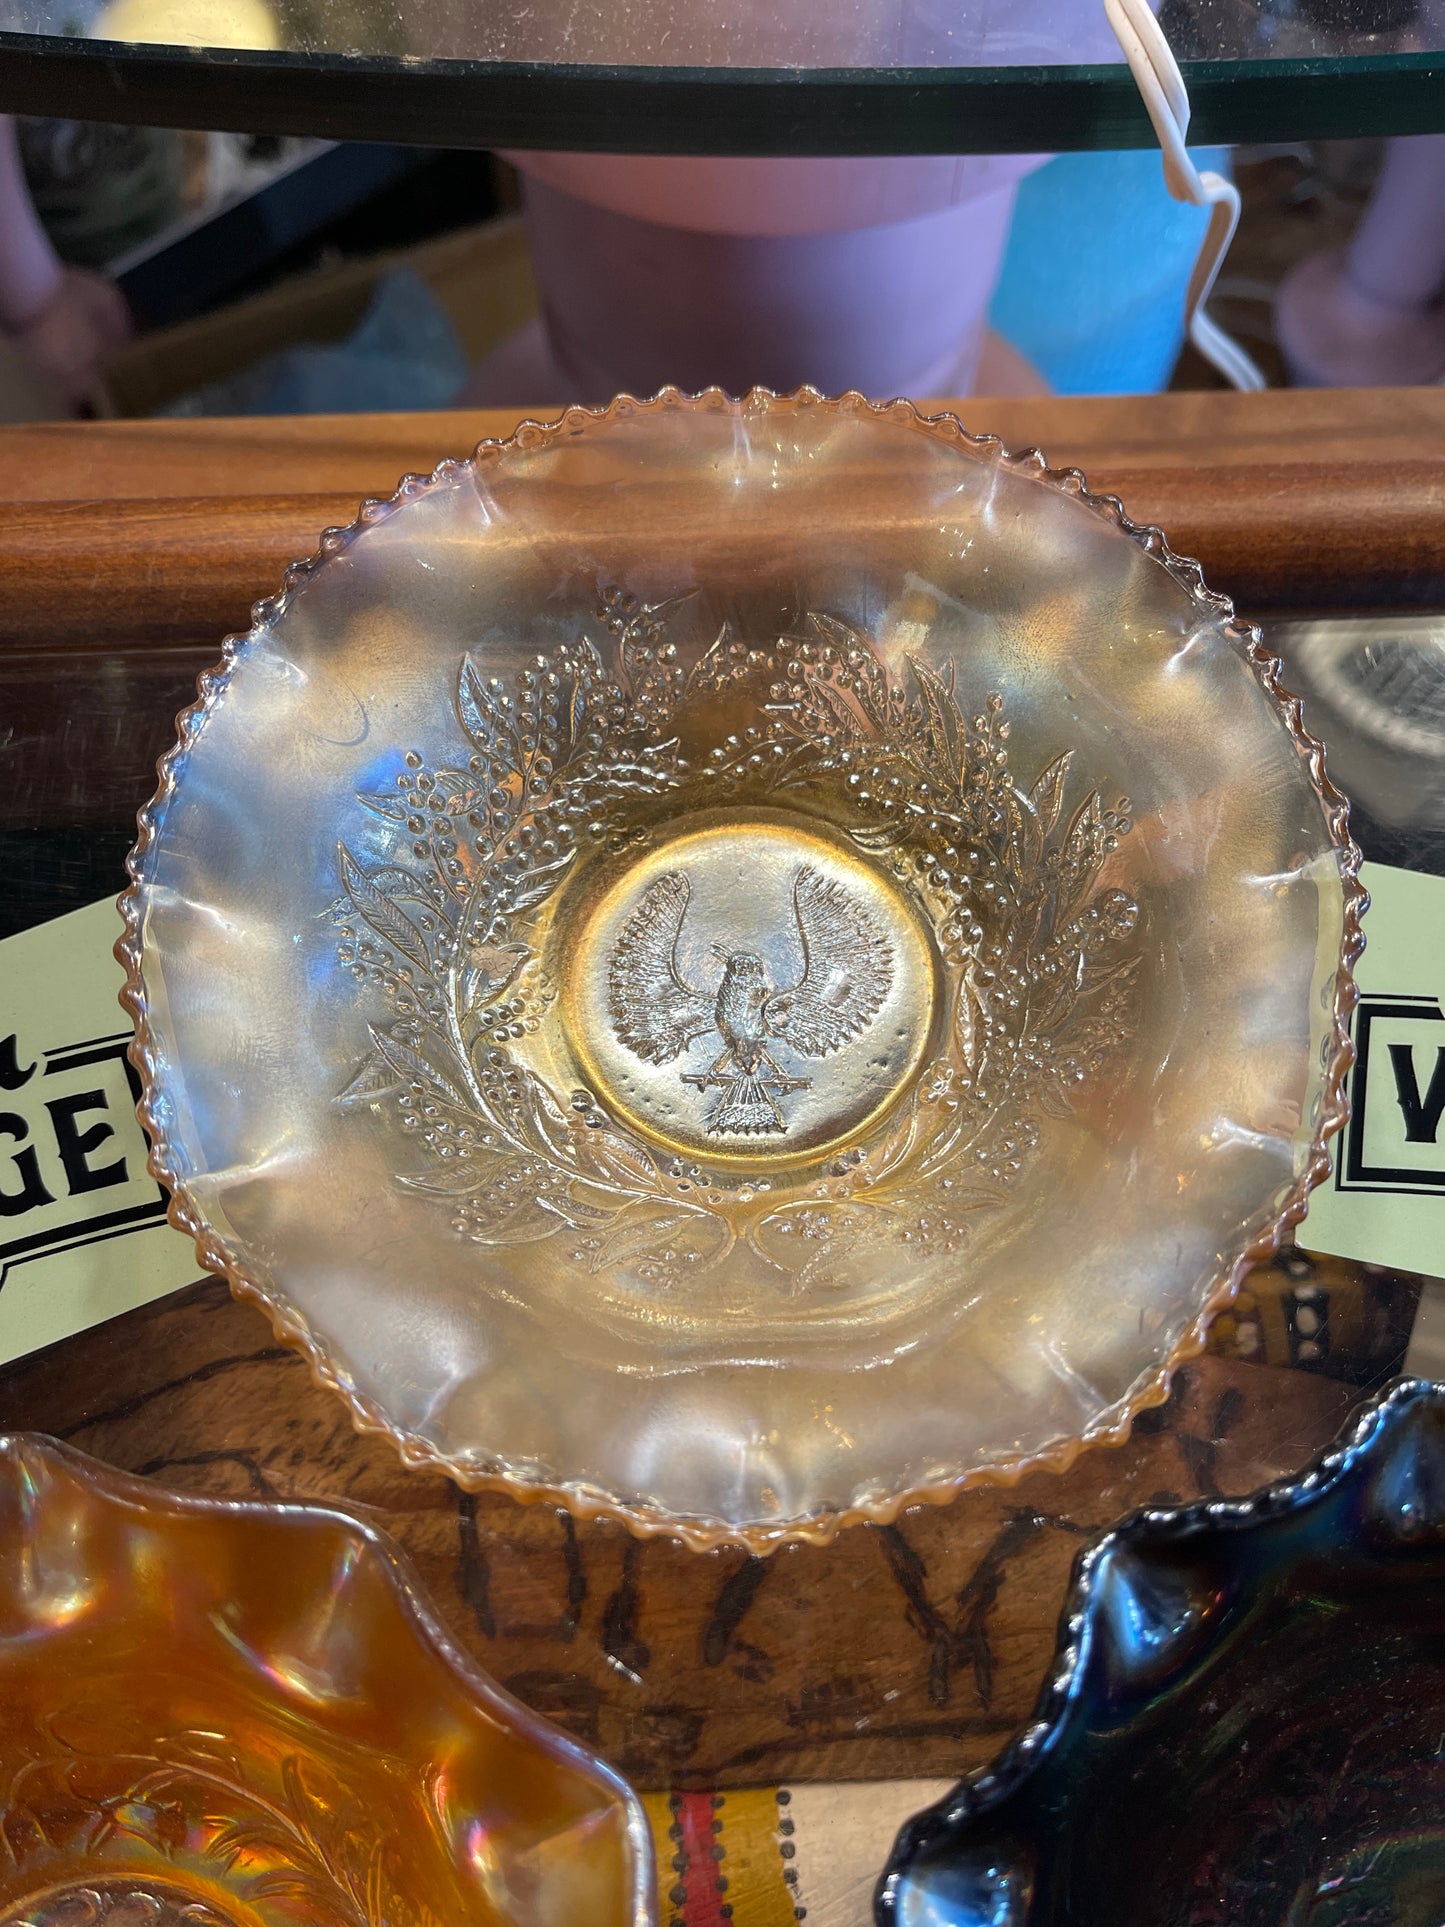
(164, 533)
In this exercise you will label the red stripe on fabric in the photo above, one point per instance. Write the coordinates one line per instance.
(703, 1906)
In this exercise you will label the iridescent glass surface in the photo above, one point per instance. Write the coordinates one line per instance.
(743, 964)
(1242, 1722)
(225, 1715)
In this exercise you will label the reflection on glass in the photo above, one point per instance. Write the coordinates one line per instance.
(751, 33)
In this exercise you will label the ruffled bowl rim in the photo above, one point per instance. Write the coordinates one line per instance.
(413, 1600)
(585, 1501)
(1369, 1431)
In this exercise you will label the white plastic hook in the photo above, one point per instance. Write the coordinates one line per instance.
(1166, 100)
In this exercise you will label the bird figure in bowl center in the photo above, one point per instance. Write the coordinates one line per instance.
(846, 976)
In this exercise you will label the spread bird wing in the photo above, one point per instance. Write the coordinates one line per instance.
(655, 1011)
(847, 970)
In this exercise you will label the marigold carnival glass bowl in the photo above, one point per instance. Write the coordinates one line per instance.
(1244, 1721)
(236, 1715)
(742, 964)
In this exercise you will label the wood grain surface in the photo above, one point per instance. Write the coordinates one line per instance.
(133, 547)
(910, 1650)
(158, 534)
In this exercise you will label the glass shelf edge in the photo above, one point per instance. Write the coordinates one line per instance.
(458, 103)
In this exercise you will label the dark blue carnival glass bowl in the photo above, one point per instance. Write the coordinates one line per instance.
(1245, 1722)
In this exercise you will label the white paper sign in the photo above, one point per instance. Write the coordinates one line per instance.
(83, 1231)
(1385, 1202)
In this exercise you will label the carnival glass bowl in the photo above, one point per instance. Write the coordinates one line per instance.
(742, 964)
(224, 1715)
(1243, 1722)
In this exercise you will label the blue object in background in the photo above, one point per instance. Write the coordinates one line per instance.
(1094, 274)
(404, 354)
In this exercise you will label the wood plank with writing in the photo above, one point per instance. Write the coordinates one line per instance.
(909, 1650)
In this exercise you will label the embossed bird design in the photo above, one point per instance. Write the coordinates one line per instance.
(657, 1013)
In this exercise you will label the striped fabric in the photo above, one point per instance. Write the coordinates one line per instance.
(773, 1856)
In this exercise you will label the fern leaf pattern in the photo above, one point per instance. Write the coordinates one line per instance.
(445, 912)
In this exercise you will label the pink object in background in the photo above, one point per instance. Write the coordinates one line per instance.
(1370, 315)
(872, 274)
(730, 194)
(64, 320)
(857, 272)
(630, 304)
(30, 274)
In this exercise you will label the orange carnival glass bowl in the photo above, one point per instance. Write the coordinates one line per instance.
(216, 1714)
(742, 964)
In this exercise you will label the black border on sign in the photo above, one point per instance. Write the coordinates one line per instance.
(111, 1224)
(1352, 1173)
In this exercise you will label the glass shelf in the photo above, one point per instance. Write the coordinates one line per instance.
(755, 77)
